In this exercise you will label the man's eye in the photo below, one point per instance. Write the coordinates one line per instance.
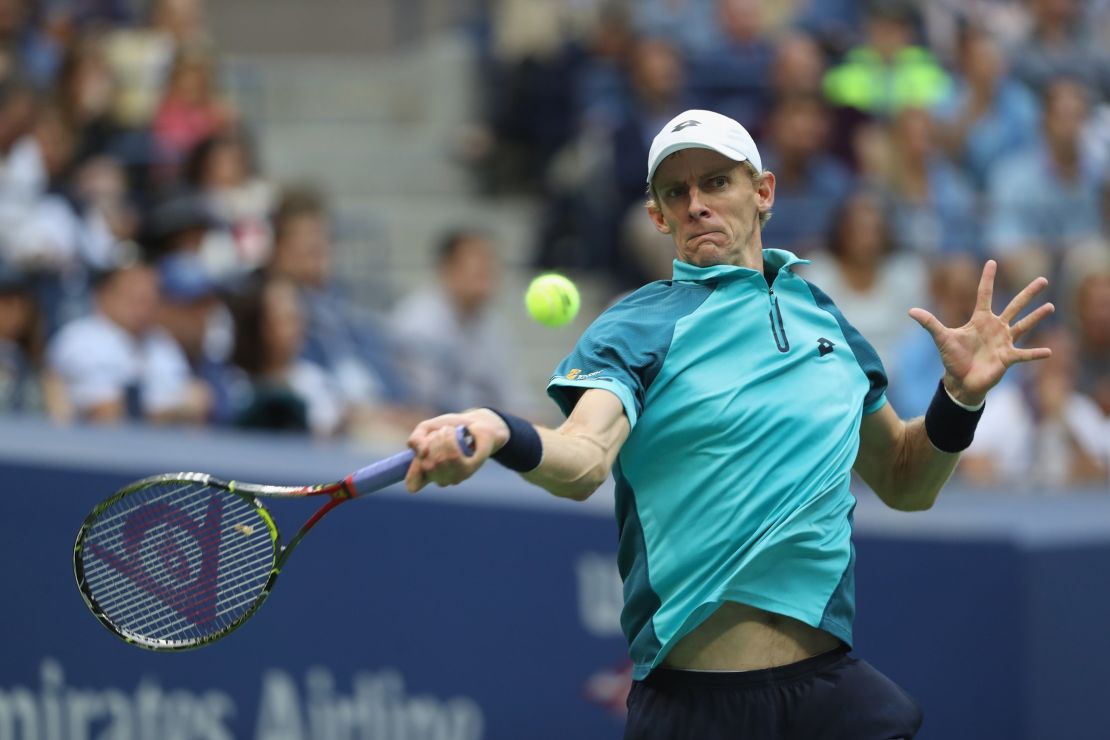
(720, 181)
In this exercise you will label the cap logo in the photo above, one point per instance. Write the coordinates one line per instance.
(685, 124)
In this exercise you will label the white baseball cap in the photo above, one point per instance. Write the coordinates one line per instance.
(703, 129)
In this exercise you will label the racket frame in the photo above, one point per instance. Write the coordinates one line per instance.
(339, 491)
(366, 480)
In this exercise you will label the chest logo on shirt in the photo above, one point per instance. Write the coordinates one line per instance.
(824, 347)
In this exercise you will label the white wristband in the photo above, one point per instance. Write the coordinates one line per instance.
(964, 406)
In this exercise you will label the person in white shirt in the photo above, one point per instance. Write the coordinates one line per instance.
(453, 345)
(115, 364)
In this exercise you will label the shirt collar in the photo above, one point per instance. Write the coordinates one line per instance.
(775, 259)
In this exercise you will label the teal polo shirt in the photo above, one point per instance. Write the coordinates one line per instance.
(744, 392)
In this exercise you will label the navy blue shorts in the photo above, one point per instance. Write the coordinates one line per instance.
(829, 697)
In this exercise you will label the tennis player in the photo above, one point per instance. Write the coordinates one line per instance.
(732, 404)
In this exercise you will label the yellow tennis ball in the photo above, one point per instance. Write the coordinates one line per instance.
(552, 300)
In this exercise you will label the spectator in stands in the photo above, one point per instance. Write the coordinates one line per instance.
(987, 114)
(34, 241)
(141, 57)
(798, 66)
(84, 93)
(872, 284)
(733, 75)
(192, 313)
(887, 72)
(835, 24)
(599, 84)
(932, 204)
(24, 46)
(1046, 198)
(178, 223)
(690, 24)
(288, 392)
(191, 109)
(657, 82)
(21, 340)
(1042, 432)
(1086, 290)
(22, 175)
(809, 184)
(221, 170)
(72, 227)
(116, 363)
(350, 344)
(1060, 44)
(532, 70)
(456, 347)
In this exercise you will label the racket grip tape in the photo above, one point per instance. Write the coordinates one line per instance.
(392, 469)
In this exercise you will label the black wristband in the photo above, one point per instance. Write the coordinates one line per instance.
(949, 426)
(524, 450)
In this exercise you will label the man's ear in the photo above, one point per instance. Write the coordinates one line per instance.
(765, 191)
(656, 216)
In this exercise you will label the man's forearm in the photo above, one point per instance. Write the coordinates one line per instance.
(578, 456)
(920, 470)
(573, 466)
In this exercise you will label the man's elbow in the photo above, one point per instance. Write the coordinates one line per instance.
(901, 501)
(580, 488)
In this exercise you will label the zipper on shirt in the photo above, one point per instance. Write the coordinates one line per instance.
(778, 331)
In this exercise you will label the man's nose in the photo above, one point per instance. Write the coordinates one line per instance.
(697, 208)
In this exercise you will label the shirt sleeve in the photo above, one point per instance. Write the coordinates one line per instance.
(622, 351)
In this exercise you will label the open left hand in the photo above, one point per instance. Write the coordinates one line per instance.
(977, 354)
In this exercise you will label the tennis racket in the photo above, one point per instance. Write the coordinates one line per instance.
(177, 561)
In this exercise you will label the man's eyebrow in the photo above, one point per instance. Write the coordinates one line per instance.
(715, 172)
(727, 170)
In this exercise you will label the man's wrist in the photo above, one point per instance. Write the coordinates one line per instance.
(949, 423)
(966, 401)
(523, 450)
(502, 432)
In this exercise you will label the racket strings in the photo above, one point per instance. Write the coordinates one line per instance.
(177, 560)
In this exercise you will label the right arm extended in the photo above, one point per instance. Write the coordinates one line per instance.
(577, 457)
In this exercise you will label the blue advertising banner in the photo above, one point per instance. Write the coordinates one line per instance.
(490, 610)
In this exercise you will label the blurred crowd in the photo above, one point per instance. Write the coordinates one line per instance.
(150, 271)
(910, 141)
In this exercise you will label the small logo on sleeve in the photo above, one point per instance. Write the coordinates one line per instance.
(824, 346)
(574, 373)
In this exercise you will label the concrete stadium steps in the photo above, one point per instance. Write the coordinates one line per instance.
(360, 159)
(430, 83)
(376, 134)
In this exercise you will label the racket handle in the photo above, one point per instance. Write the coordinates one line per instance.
(393, 468)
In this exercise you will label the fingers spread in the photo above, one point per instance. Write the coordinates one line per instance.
(1021, 300)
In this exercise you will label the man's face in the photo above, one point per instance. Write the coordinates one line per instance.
(470, 276)
(303, 253)
(130, 298)
(710, 207)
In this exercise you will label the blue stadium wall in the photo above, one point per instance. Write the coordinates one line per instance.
(490, 610)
